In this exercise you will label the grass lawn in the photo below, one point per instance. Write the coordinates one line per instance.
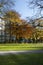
(22, 59)
(23, 46)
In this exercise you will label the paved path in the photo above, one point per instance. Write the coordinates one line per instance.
(20, 52)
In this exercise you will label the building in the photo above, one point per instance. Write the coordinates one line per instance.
(4, 35)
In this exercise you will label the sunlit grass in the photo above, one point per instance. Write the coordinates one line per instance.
(23, 46)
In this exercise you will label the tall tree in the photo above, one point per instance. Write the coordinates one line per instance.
(12, 16)
(37, 5)
(6, 5)
(12, 20)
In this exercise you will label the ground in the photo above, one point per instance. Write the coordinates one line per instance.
(21, 59)
(23, 46)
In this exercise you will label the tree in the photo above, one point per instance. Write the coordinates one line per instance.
(12, 20)
(6, 5)
(38, 28)
(12, 16)
(37, 5)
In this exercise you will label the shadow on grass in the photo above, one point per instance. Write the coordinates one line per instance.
(22, 59)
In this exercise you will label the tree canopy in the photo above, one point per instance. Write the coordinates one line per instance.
(6, 5)
(12, 16)
(37, 5)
